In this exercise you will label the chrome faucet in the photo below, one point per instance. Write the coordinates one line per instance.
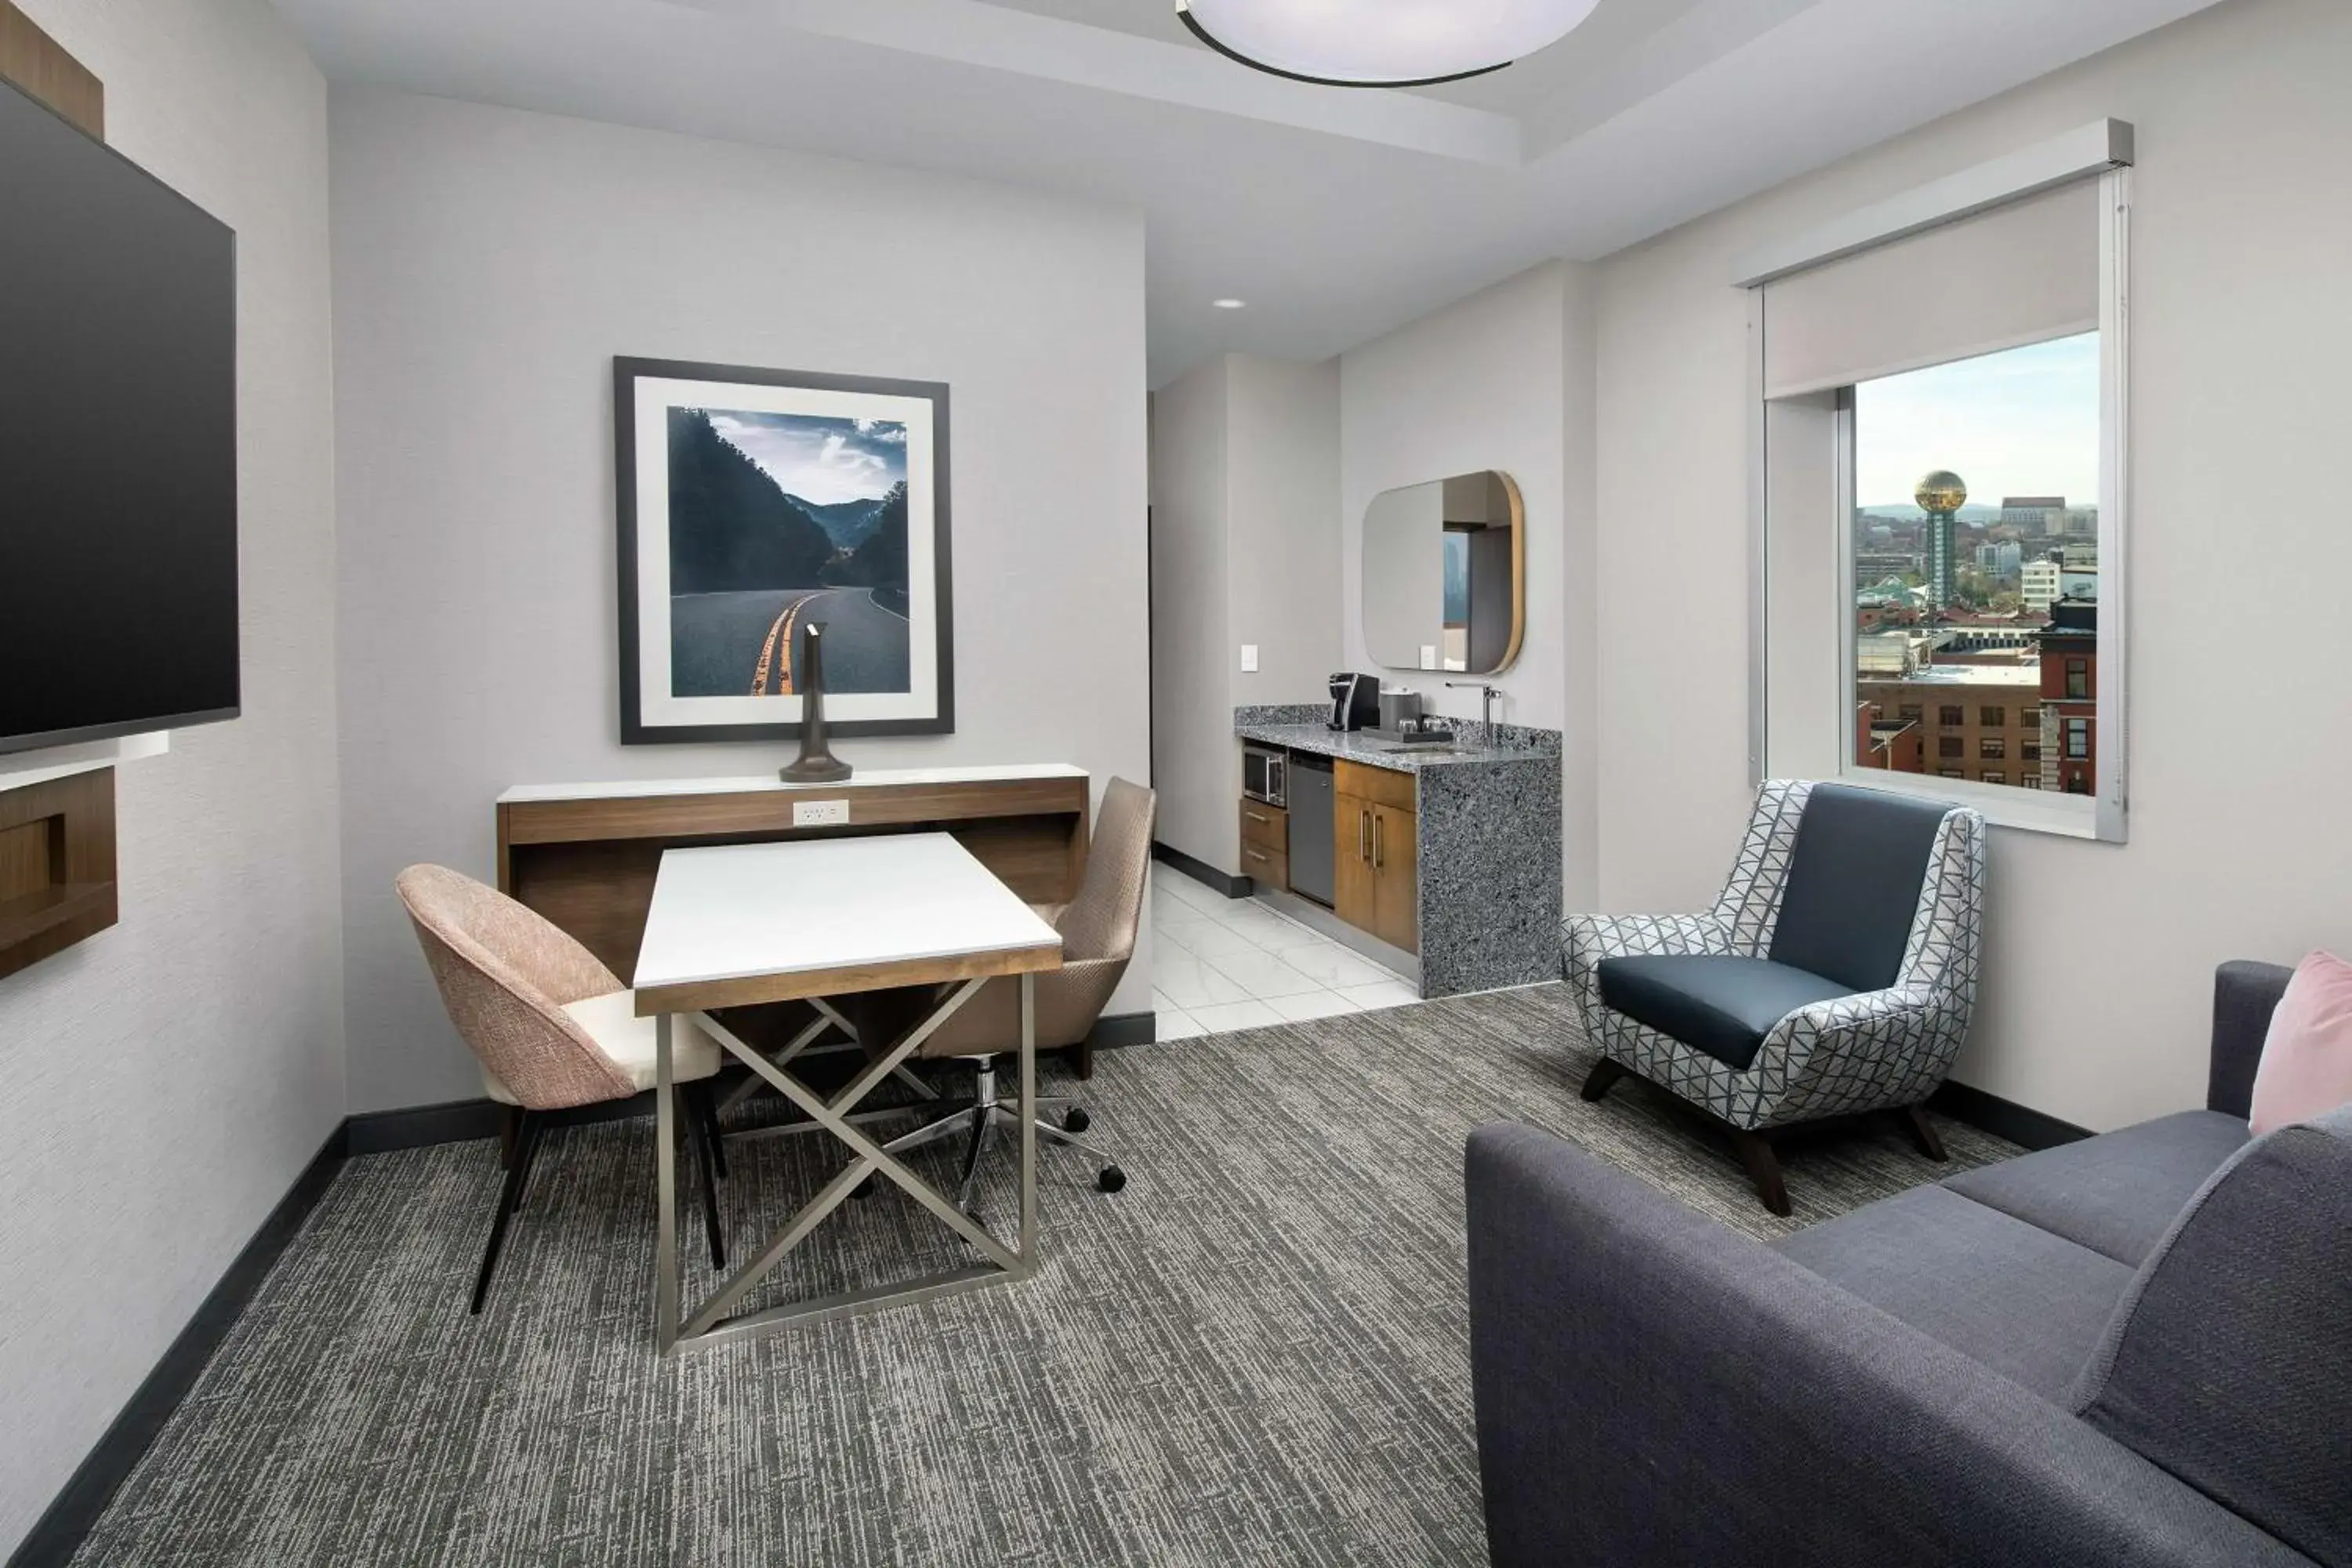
(1487, 695)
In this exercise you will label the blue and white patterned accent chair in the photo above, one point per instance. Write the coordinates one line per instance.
(1836, 974)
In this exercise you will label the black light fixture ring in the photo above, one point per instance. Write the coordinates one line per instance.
(1235, 55)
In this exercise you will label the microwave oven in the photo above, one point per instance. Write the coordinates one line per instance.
(1265, 774)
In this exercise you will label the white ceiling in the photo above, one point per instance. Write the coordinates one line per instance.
(1337, 213)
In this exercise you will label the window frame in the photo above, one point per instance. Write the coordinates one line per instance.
(2104, 815)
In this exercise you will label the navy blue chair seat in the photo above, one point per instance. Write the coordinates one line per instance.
(1722, 1005)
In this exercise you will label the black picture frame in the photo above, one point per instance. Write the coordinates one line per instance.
(636, 731)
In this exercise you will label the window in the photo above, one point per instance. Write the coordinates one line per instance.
(1965, 507)
(1911, 713)
(2078, 740)
(1954, 773)
(2078, 784)
(2024, 422)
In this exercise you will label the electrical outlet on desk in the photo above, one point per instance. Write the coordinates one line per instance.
(820, 813)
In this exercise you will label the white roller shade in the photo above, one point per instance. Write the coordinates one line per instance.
(2018, 274)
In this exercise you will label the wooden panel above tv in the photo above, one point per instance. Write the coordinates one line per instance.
(37, 63)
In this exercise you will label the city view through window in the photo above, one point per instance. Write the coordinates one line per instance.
(1975, 568)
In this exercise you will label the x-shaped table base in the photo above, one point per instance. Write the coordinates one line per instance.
(709, 1323)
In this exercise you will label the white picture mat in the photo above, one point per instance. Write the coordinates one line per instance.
(654, 397)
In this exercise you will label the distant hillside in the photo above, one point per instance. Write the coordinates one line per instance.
(730, 526)
(1906, 513)
(846, 522)
(880, 563)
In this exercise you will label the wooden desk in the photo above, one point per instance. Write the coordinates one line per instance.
(745, 924)
(585, 856)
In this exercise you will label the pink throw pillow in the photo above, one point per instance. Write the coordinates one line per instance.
(2306, 1068)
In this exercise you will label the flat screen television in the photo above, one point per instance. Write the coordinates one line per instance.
(118, 444)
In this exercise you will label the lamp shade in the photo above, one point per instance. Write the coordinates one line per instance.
(1381, 43)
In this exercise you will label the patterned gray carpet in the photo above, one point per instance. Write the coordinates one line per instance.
(1257, 1353)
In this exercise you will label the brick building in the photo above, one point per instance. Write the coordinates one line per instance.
(1982, 724)
(2069, 698)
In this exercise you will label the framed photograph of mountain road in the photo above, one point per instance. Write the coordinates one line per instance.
(756, 503)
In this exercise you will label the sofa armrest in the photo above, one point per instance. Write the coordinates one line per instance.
(1653, 1388)
(2244, 995)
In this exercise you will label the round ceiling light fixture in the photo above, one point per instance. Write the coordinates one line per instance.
(1381, 43)
(1230, 304)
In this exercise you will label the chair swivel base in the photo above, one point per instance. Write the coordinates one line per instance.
(979, 1121)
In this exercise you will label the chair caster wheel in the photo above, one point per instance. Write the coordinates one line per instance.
(1076, 1120)
(1110, 1179)
(864, 1189)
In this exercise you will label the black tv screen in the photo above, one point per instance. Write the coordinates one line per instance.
(118, 444)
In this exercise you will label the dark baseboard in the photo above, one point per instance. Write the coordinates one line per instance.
(1202, 872)
(462, 1120)
(422, 1126)
(2003, 1118)
(1116, 1029)
(58, 1534)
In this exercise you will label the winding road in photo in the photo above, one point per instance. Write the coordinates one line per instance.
(742, 644)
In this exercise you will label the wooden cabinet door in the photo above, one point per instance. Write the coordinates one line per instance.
(1353, 895)
(1396, 877)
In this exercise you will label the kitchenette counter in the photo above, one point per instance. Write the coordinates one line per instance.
(1363, 746)
(1489, 835)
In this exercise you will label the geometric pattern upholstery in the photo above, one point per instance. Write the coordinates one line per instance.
(1876, 1050)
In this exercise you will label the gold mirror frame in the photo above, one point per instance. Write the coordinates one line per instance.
(1370, 591)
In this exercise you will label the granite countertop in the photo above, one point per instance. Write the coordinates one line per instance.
(1373, 752)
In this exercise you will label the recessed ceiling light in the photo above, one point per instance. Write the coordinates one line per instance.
(1230, 304)
(1381, 43)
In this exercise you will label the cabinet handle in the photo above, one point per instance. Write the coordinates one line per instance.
(1254, 853)
(1379, 842)
(1364, 835)
(1257, 816)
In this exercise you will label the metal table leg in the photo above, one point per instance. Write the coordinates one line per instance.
(709, 1323)
(1028, 1125)
(666, 1265)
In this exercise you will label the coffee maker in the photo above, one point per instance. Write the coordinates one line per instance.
(1355, 702)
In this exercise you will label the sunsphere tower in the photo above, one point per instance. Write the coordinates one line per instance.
(1941, 495)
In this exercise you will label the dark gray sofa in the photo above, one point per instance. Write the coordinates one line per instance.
(2135, 1349)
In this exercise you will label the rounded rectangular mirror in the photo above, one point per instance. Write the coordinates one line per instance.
(1446, 575)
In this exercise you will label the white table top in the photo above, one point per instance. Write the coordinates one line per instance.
(741, 909)
(864, 778)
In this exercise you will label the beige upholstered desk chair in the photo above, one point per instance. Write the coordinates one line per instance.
(1097, 941)
(551, 1027)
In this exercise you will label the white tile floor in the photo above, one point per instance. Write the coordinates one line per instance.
(1223, 964)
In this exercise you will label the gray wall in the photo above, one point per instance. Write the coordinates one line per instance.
(488, 265)
(1501, 380)
(2099, 957)
(169, 1079)
(1245, 464)
(1191, 704)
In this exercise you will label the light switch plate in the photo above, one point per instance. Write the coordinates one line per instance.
(1429, 656)
(1249, 658)
(820, 813)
